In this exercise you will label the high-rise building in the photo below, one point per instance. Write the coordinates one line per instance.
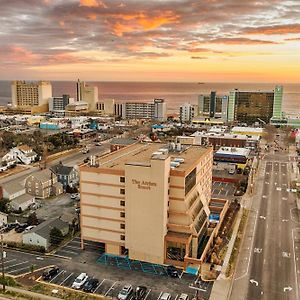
(213, 106)
(250, 106)
(88, 94)
(148, 201)
(58, 104)
(30, 94)
(277, 104)
(187, 112)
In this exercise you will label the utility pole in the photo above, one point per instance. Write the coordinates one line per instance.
(2, 264)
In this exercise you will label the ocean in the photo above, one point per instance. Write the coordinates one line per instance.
(174, 93)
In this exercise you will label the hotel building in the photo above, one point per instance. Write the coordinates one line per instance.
(149, 201)
(88, 94)
(31, 94)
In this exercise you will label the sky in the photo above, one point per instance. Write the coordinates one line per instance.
(153, 40)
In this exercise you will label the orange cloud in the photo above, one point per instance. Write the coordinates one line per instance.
(92, 3)
(240, 41)
(141, 21)
(276, 29)
(92, 16)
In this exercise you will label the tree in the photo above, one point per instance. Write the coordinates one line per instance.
(56, 236)
(4, 205)
(32, 219)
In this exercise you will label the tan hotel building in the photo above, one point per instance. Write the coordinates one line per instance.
(148, 201)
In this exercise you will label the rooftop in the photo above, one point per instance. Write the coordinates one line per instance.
(141, 153)
(23, 199)
(247, 129)
(61, 169)
(233, 151)
(12, 187)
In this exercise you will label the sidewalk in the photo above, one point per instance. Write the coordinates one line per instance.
(29, 293)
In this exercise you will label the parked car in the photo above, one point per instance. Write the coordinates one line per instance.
(172, 271)
(21, 227)
(125, 292)
(165, 296)
(90, 285)
(28, 228)
(98, 144)
(183, 297)
(140, 293)
(80, 281)
(50, 273)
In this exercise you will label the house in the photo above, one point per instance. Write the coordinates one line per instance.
(40, 235)
(6, 162)
(67, 176)
(16, 194)
(3, 218)
(22, 202)
(43, 184)
(23, 154)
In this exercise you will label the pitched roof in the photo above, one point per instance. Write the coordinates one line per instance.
(43, 175)
(22, 199)
(61, 169)
(44, 228)
(12, 187)
(25, 148)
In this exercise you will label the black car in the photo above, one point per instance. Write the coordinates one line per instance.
(91, 285)
(140, 293)
(21, 227)
(172, 272)
(50, 273)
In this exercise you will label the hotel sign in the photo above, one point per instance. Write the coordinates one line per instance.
(143, 185)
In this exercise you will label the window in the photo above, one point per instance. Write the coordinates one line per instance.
(122, 237)
(122, 214)
(122, 226)
(122, 203)
(122, 191)
(122, 179)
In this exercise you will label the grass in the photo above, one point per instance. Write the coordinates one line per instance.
(237, 244)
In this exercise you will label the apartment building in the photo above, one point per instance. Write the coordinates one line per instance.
(29, 94)
(187, 112)
(148, 201)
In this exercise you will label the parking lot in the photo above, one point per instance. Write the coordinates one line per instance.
(17, 263)
(110, 288)
(72, 249)
(223, 190)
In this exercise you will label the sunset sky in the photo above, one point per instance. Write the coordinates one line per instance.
(153, 40)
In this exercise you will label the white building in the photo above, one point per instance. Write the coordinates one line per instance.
(28, 94)
(187, 112)
(88, 94)
(22, 154)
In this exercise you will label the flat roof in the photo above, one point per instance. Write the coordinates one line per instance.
(247, 129)
(233, 151)
(141, 154)
(225, 135)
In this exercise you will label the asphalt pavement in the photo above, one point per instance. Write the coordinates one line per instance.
(268, 266)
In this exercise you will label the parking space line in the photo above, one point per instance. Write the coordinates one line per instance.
(63, 271)
(76, 248)
(111, 288)
(5, 262)
(159, 295)
(21, 263)
(18, 270)
(61, 250)
(98, 286)
(176, 297)
(147, 294)
(66, 279)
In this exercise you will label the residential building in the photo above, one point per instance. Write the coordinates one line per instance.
(250, 106)
(148, 201)
(43, 184)
(22, 154)
(3, 218)
(16, 194)
(40, 235)
(67, 176)
(58, 104)
(187, 112)
(213, 106)
(88, 94)
(29, 94)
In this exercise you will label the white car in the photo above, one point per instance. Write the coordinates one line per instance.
(80, 281)
(125, 292)
(165, 296)
(28, 228)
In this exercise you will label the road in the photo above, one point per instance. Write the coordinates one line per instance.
(68, 160)
(268, 263)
